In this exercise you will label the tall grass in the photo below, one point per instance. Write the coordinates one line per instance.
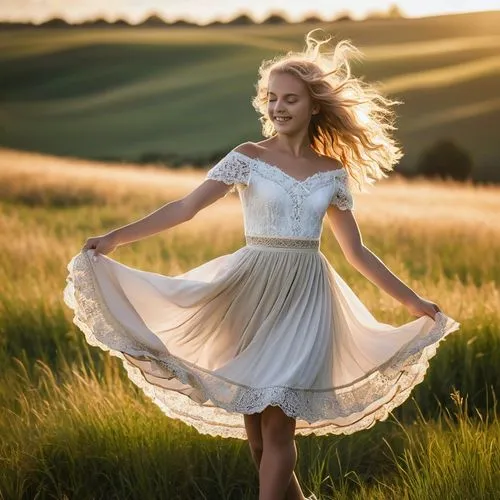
(73, 426)
(88, 434)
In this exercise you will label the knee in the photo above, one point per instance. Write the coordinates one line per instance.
(256, 451)
(253, 428)
(256, 445)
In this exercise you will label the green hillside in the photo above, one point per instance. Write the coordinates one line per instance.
(129, 92)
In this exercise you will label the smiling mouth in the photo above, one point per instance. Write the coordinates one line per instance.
(282, 118)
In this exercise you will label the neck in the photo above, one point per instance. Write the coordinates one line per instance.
(295, 145)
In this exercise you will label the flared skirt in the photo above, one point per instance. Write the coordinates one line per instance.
(266, 325)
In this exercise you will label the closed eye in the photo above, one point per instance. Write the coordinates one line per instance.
(289, 101)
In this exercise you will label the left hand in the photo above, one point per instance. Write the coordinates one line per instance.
(100, 244)
(422, 307)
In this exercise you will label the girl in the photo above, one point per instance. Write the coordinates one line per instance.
(271, 331)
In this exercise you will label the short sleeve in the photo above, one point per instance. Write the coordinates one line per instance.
(342, 196)
(233, 169)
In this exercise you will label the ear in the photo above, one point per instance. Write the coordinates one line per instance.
(315, 109)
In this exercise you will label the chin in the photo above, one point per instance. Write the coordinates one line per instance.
(288, 130)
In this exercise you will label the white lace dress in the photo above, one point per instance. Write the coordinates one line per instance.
(270, 324)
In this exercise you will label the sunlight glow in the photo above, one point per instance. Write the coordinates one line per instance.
(203, 12)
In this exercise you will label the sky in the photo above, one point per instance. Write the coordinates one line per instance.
(203, 11)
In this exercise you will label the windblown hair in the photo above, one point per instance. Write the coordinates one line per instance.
(355, 120)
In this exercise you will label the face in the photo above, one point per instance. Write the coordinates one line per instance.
(289, 104)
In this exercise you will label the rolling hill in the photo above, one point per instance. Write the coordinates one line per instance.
(184, 93)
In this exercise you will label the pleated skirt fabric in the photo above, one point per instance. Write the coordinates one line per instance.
(270, 324)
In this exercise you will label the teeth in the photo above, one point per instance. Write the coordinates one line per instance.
(282, 118)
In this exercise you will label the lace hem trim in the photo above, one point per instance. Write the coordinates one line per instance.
(341, 410)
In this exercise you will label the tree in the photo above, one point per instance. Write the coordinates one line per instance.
(342, 16)
(182, 23)
(214, 23)
(394, 11)
(56, 22)
(94, 23)
(122, 22)
(241, 20)
(445, 159)
(154, 21)
(275, 19)
(312, 20)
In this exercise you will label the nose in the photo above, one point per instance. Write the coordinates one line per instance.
(279, 107)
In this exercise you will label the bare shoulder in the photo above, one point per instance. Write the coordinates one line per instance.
(248, 149)
(328, 163)
(253, 149)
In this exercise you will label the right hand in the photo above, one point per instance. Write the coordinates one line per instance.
(422, 307)
(101, 244)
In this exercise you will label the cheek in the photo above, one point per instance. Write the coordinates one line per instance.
(303, 112)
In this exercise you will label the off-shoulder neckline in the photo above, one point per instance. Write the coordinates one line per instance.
(320, 173)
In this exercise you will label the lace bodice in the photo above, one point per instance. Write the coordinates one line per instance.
(276, 204)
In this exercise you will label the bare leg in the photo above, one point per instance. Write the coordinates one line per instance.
(279, 454)
(254, 433)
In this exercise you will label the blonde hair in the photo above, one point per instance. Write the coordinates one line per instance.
(355, 119)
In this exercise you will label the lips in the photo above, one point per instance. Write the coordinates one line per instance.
(282, 119)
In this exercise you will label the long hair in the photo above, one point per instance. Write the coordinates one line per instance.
(355, 120)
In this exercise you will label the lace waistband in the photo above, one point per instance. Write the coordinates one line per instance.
(285, 243)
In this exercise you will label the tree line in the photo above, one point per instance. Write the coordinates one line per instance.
(155, 20)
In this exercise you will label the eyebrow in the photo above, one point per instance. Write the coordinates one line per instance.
(286, 95)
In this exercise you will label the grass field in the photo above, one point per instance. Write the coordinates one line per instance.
(72, 426)
(185, 93)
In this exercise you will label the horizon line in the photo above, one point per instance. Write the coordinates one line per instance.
(373, 14)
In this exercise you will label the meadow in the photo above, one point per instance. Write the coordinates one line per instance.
(72, 426)
(134, 94)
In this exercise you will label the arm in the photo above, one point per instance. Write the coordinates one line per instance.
(171, 214)
(219, 180)
(346, 231)
(167, 216)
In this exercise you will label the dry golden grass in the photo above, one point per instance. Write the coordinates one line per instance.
(62, 402)
(62, 201)
(24, 175)
(51, 205)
